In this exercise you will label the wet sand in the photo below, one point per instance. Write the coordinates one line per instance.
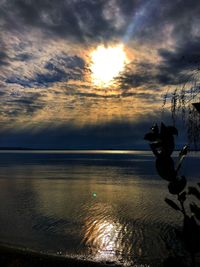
(13, 257)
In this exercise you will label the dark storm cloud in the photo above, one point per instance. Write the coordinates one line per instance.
(92, 20)
(74, 63)
(110, 135)
(2, 93)
(18, 80)
(86, 20)
(184, 16)
(79, 20)
(114, 134)
(75, 19)
(82, 20)
(143, 75)
(181, 16)
(185, 57)
(61, 68)
(3, 58)
(178, 65)
(175, 67)
(23, 57)
(24, 105)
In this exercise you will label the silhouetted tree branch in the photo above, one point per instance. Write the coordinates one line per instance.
(162, 145)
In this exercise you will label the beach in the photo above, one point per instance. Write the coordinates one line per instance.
(13, 257)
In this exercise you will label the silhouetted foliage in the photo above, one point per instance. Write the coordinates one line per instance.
(182, 105)
(162, 145)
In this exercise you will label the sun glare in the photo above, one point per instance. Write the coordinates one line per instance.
(107, 63)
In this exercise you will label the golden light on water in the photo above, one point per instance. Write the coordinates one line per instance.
(103, 234)
(103, 237)
(107, 63)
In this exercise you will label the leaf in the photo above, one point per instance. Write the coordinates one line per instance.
(182, 196)
(163, 129)
(196, 210)
(191, 234)
(172, 204)
(167, 138)
(177, 186)
(168, 144)
(165, 168)
(155, 129)
(150, 137)
(194, 191)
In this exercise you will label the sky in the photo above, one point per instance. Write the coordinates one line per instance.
(48, 96)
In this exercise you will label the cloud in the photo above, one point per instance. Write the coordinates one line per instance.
(94, 21)
(115, 134)
(45, 52)
(78, 20)
(60, 68)
(3, 58)
(137, 75)
(174, 67)
(182, 60)
(22, 105)
(23, 57)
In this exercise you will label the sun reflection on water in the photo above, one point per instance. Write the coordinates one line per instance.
(103, 239)
(103, 235)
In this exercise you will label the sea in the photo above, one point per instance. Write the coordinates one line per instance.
(100, 205)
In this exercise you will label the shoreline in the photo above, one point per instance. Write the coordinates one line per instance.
(19, 257)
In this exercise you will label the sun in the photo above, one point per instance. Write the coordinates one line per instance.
(106, 64)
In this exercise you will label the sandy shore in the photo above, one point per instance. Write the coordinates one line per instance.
(12, 257)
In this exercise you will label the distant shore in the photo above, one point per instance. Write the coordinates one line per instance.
(82, 149)
(71, 149)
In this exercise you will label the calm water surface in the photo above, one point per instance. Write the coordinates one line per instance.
(99, 205)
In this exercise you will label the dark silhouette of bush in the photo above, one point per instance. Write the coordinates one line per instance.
(162, 145)
(183, 102)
